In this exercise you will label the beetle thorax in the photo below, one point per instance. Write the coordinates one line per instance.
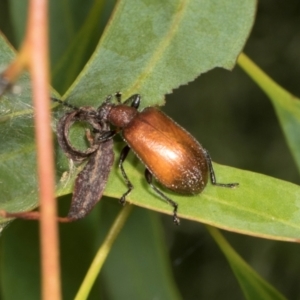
(121, 115)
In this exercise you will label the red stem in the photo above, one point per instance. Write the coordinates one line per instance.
(36, 42)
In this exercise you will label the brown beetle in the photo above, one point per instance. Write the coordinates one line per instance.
(170, 153)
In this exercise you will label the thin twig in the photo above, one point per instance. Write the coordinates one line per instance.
(37, 41)
(102, 254)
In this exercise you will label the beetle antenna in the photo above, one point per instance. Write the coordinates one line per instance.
(64, 103)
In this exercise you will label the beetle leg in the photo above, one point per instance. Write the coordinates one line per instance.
(107, 135)
(118, 96)
(134, 101)
(149, 178)
(212, 173)
(123, 156)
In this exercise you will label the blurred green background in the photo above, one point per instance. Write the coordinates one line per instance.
(235, 121)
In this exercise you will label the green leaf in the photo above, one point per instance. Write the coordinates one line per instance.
(152, 49)
(253, 286)
(18, 179)
(286, 105)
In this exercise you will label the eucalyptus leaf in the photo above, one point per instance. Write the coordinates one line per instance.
(152, 48)
(252, 284)
(18, 180)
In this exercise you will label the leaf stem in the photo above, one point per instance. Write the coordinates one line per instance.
(102, 253)
(267, 84)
